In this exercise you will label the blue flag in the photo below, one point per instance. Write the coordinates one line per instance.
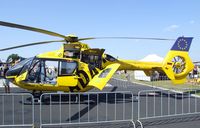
(182, 44)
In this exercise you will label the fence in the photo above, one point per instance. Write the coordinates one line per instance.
(14, 112)
(85, 108)
(160, 104)
(59, 109)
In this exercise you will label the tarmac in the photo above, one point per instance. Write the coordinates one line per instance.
(84, 111)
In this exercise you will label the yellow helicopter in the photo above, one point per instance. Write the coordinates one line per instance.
(76, 67)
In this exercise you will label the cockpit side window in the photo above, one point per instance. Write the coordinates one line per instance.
(26, 66)
(110, 58)
(47, 70)
(67, 68)
(50, 71)
(43, 71)
(34, 72)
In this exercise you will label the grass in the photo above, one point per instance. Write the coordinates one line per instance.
(168, 85)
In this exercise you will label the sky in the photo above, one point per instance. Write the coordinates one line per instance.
(93, 18)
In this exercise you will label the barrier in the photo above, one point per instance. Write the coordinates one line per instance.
(63, 109)
(120, 82)
(14, 112)
(85, 108)
(160, 104)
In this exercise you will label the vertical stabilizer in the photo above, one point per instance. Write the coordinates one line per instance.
(177, 63)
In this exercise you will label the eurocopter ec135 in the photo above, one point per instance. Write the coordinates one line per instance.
(76, 67)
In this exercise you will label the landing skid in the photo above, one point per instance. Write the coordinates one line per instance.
(35, 99)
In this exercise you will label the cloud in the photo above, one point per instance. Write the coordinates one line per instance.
(192, 22)
(172, 28)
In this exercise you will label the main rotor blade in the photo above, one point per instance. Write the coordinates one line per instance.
(31, 44)
(132, 38)
(7, 24)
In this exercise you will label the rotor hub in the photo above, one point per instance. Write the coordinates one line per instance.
(179, 64)
(71, 38)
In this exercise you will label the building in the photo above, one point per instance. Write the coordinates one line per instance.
(140, 75)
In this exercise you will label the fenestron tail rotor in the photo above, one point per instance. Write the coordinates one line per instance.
(179, 64)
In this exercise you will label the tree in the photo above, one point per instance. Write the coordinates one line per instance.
(12, 58)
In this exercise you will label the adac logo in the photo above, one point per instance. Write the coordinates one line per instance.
(182, 44)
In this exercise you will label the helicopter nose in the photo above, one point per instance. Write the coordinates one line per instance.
(12, 73)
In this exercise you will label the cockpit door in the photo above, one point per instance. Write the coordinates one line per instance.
(67, 81)
(52, 72)
(67, 73)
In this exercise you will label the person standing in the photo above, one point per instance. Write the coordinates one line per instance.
(6, 82)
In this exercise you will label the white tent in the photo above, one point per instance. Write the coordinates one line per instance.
(140, 75)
